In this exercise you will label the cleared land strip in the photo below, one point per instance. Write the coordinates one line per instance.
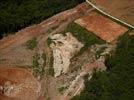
(102, 26)
(33, 31)
(127, 24)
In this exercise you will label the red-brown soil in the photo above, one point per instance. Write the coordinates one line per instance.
(18, 84)
(33, 31)
(12, 48)
(13, 52)
(122, 9)
(21, 83)
(103, 27)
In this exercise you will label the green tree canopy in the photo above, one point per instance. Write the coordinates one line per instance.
(117, 83)
(17, 14)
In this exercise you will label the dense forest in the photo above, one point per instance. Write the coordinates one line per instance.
(117, 83)
(17, 14)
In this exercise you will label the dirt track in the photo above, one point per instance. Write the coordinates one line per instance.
(122, 9)
(12, 47)
(33, 31)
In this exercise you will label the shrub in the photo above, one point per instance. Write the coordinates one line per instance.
(49, 41)
(31, 44)
(37, 69)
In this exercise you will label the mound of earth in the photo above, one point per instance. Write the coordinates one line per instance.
(64, 48)
(18, 84)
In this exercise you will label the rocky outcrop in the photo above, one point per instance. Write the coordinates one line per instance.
(64, 48)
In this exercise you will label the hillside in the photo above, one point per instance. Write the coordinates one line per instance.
(18, 14)
(76, 54)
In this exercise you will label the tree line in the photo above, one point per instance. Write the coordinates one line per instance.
(17, 14)
(117, 83)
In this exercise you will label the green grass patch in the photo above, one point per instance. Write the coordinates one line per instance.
(84, 36)
(49, 41)
(31, 44)
(37, 69)
(62, 88)
(44, 58)
(51, 69)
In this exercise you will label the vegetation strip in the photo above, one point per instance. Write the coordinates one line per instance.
(84, 36)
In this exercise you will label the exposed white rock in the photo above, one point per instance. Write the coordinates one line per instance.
(76, 85)
(64, 48)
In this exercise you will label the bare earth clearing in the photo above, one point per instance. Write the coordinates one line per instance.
(103, 27)
(53, 60)
(13, 50)
(18, 84)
